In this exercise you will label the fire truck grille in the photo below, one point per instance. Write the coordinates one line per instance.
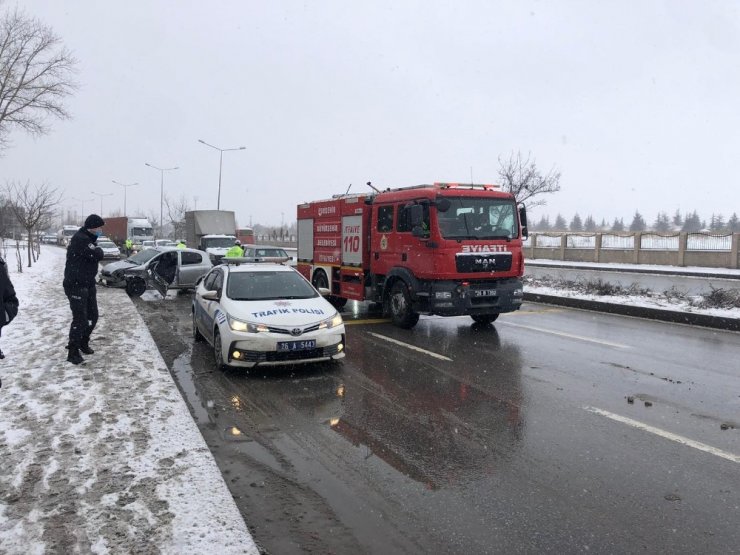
(483, 262)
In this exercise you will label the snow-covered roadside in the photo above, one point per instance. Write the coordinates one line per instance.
(102, 457)
(657, 300)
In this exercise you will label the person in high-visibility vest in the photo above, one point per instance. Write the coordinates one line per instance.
(129, 244)
(236, 251)
(180, 244)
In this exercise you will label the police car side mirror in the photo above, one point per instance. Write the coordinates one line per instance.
(211, 296)
(324, 292)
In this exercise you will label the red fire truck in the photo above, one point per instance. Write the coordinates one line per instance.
(448, 249)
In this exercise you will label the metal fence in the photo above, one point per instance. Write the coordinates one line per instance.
(613, 241)
(708, 242)
(657, 241)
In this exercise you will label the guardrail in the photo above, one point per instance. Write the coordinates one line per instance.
(710, 250)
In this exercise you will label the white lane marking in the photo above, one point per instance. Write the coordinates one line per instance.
(412, 347)
(569, 335)
(667, 435)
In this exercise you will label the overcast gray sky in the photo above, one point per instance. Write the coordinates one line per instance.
(637, 103)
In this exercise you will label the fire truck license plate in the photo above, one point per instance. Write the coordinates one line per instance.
(296, 345)
(484, 292)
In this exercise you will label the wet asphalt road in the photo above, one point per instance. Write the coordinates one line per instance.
(513, 438)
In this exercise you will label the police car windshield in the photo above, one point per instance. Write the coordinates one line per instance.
(106, 244)
(144, 256)
(262, 286)
(478, 218)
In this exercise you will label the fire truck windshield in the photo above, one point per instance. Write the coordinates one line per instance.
(478, 218)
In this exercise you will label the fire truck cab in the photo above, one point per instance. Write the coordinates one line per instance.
(447, 249)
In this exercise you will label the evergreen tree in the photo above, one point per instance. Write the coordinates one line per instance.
(638, 223)
(677, 219)
(717, 223)
(662, 223)
(560, 224)
(543, 224)
(589, 224)
(692, 223)
(576, 224)
(603, 226)
(733, 224)
(618, 225)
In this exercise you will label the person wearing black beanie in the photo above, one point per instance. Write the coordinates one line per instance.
(83, 255)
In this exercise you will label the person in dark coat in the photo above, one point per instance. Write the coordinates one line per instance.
(83, 255)
(8, 300)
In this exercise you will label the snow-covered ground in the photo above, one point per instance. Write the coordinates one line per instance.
(102, 457)
(667, 300)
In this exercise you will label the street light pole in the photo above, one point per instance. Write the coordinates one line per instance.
(125, 187)
(220, 166)
(101, 195)
(161, 191)
(82, 201)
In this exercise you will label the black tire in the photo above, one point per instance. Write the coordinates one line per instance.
(338, 302)
(320, 280)
(484, 318)
(197, 336)
(399, 302)
(217, 354)
(135, 287)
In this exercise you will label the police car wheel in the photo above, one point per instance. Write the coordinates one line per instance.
(217, 352)
(402, 314)
(197, 336)
(484, 318)
(135, 287)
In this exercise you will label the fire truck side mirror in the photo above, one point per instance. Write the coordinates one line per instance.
(416, 214)
(523, 220)
(443, 204)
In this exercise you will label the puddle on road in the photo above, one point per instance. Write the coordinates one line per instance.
(183, 371)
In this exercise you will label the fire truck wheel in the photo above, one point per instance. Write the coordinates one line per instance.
(399, 300)
(337, 302)
(319, 280)
(484, 318)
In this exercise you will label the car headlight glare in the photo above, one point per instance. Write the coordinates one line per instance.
(332, 322)
(249, 327)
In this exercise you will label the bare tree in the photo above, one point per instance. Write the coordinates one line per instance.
(33, 207)
(176, 214)
(521, 178)
(36, 73)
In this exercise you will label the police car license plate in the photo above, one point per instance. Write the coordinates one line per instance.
(296, 345)
(484, 292)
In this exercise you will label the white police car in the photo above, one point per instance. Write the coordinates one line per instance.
(264, 314)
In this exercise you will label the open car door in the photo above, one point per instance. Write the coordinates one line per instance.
(163, 271)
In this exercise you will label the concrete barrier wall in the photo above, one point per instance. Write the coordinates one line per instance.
(694, 249)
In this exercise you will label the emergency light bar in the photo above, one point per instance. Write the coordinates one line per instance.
(237, 260)
(485, 187)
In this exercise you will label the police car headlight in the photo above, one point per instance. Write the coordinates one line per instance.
(332, 322)
(238, 325)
